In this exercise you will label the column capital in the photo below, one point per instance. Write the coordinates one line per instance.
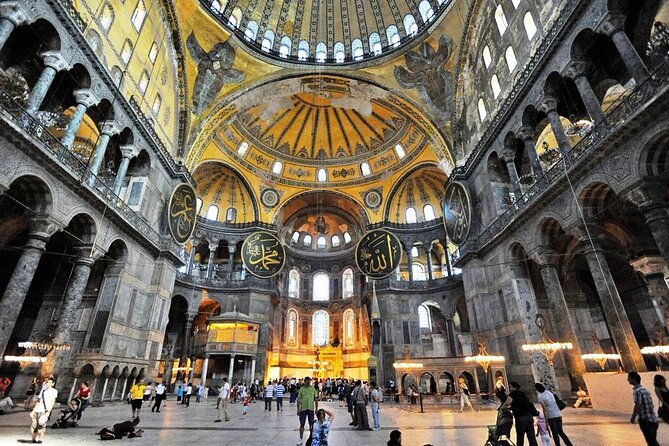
(576, 69)
(17, 12)
(213, 246)
(110, 128)
(86, 97)
(549, 104)
(55, 60)
(611, 24)
(648, 265)
(647, 194)
(507, 155)
(544, 256)
(525, 133)
(44, 226)
(87, 254)
(128, 151)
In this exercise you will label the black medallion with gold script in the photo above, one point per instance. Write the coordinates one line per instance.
(181, 212)
(263, 255)
(457, 212)
(378, 253)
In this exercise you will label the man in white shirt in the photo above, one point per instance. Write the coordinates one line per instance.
(42, 411)
(160, 396)
(223, 397)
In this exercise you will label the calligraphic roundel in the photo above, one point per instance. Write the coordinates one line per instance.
(457, 212)
(378, 253)
(181, 212)
(263, 255)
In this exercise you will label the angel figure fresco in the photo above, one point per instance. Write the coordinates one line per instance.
(214, 69)
(426, 72)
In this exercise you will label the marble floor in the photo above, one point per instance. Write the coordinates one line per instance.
(178, 425)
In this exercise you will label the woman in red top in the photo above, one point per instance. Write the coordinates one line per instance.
(84, 394)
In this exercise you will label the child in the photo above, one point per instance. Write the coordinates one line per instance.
(321, 428)
(180, 394)
(542, 429)
(245, 401)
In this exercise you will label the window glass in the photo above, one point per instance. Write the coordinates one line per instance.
(126, 51)
(217, 6)
(339, 53)
(428, 212)
(320, 242)
(321, 52)
(500, 19)
(303, 50)
(515, 3)
(347, 238)
(414, 251)
(291, 328)
(321, 289)
(307, 240)
(424, 317)
(212, 213)
(107, 17)
(364, 168)
(294, 283)
(231, 214)
(277, 167)
(487, 57)
(347, 283)
(144, 82)
(394, 35)
(411, 216)
(349, 327)
(251, 30)
(335, 241)
(375, 44)
(482, 110)
(320, 322)
(243, 147)
(157, 102)
(511, 60)
(399, 150)
(409, 25)
(322, 175)
(153, 52)
(138, 15)
(284, 48)
(418, 272)
(296, 236)
(426, 11)
(198, 205)
(530, 26)
(356, 49)
(494, 83)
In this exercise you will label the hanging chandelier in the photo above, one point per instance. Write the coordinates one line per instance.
(546, 346)
(483, 358)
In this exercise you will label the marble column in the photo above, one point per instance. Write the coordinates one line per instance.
(113, 394)
(253, 369)
(652, 270)
(231, 370)
(450, 328)
(12, 15)
(127, 152)
(191, 372)
(85, 99)
(210, 261)
(109, 129)
(549, 107)
(123, 387)
(430, 275)
(526, 135)
(614, 26)
(577, 71)
(509, 158)
(19, 283)
(205, 367)
(188, 328)
(104, 389)
(193, 248)
(546, 260)
(53, 63)
(612, 305)
(410, 264)
(656, 216)
(73, 294)
(231, 259)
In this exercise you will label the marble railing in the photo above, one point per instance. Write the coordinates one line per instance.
(222, 283)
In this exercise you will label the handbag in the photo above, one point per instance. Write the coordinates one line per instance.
(560, 404)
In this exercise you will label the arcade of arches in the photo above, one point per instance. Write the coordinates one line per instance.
(551, 115)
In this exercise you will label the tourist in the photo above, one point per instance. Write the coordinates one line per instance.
(269, 394)
(42, 410)
(84, 394)
(500, 389)
(643, 409)
(205, 394)
(523, 413)
(321, 428)
(464, 395)
(362, 420)
(136, 396)
(245, 404)
(120, 430)
(350, 403)
(660, 383)
(375, 397)
(222, 401)
(147, 392)
(306, 405)
(552, 414)
(188, 394)
(180, 393)
(395, 438)
(160, 396)
(542, 430)
(582, 398)
(4, 385)
(278, 391)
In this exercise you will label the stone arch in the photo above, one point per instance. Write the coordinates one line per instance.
(118, 251)
(593, 198)
(83, 227)
(31, 194)
(654, 160)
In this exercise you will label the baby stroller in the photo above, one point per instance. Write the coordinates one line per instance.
(68, 416)
(499, 434)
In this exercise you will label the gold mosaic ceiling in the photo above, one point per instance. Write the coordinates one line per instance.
(220, 186)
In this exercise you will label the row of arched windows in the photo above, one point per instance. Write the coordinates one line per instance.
(321, 285)
(320, 327)
(212, 212)
(411, 216)
(321, 241)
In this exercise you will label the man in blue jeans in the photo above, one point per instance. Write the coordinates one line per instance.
(269, 393)
(278, 391)
(643, 408)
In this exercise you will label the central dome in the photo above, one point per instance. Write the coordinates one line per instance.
(326, 31)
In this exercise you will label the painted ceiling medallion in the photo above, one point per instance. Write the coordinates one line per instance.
(269, 198)
(373, 198)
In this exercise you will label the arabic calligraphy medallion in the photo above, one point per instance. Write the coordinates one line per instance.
(457, 212)
(378, 253)
(181, 213)
(263, 255)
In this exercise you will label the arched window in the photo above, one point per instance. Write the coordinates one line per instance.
(157, 102)
(284, 47)
(335, 241)
(321, 52)
(347, 238)
(394, 35)
(409, 25)
(138, 15)
(364, 168)
(530, 26)
(428, 212)
(426, 11)
(515, 3)
(242, 149)
(117, 75)
(320, 323)
(322, 175)
(418, 271)
(217, 6)
(482, 111)
(235, 18)
(399, 150)
(268, 40)
(294, 283)
(349, 328)
(277, 167)
(414, 252)
(303, 50)
(347, 283)
(153, 52)
(320, 242)
(424, 319)
(212, 213)
(487, 57)
(500, 19)
(126, 51)
(95, 43)
(511, 60)
(291, 328)
(295, 237)
(251, 30)
(198, 205)
(375, 44)
(107, 17)
(231, 214)
(339, 52)
(321, 289)
(144, 81)
(307, 240)
(494, 83)
(356, 49)
(411, 216)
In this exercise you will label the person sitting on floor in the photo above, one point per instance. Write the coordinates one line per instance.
(120, 430)
(583, 399)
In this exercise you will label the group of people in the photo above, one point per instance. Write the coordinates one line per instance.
(644, 409)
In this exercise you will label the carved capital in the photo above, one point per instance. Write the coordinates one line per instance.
(526, 133)
(44, 226)
(17, 12)
(129, 151)
(611, 24)
(213, 246)
(508, 155)
(548, 105)
(544, 256)
(649, 265)
(55, 60)
(85, 97)
(110, 128)
(577, 69)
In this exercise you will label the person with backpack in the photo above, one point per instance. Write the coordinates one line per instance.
(376, 397)
(523, 413)
(552, 413)
(464, 395)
